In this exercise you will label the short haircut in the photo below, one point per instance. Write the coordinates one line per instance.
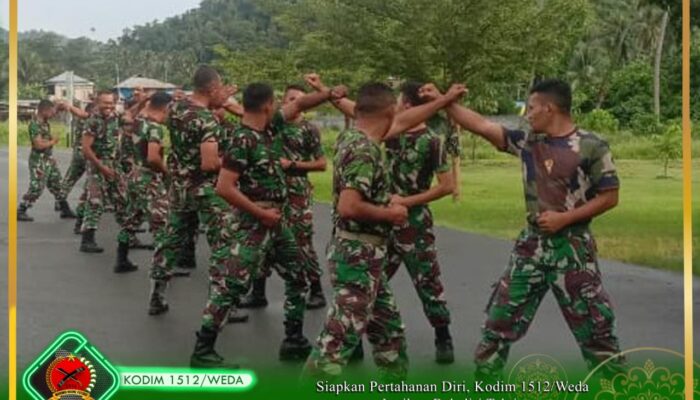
(160, 99)
(256, 95)
(410, 91)
(45, 105)
(204, 76)
(294, 86)
(373, 98)
(104, 92)
(558, 91)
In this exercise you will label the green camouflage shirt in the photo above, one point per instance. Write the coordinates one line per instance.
(146, 132)
(106, 131)
(439, 124)
(77, 133)
(40, 130)
(256, 155)
(561, 173)
(191, 125)
(413, 159)
(302, 142)
(358, 164)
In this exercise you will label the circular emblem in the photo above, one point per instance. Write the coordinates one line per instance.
(70, 374)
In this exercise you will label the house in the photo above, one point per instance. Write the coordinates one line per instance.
(126, 88)
(58, 87)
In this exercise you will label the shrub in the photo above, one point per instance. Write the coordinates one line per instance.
(646, 124)
(600, 121)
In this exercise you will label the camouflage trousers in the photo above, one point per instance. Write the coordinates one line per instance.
(101, 192)
(148, 197)
(567, 264)
(414, 245)
(75, 171)
(43, 173)
(258, 245)
(301, 223)
(362, 303)
(215, 214)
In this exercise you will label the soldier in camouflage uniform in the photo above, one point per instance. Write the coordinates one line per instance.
(78, 165)
(303, 154)
(104, 185)
(414, 158)
(569, 178)
(43, 169)
(362, 220)
(194, 137)
(254, 182)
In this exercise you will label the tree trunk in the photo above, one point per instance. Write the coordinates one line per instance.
(657, 66)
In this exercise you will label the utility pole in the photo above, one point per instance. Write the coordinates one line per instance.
(69, 117)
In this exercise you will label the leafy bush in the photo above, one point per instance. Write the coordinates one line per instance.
(668, 145)
(600, 121)
(646, 124)
(630, 92)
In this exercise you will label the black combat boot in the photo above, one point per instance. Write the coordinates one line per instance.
(358, 353)
(295, 347)
(187, 258)
(204, 355)
(66, 212)
(444, 350)
(22, 213)
(123, 263)
(316, 299)
(78, 227)
(256, 298)
(157, 304)
(88, 245)
(236, 316)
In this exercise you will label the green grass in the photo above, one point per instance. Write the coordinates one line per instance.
(646, 228)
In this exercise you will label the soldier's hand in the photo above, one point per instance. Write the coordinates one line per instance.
(552, 221)
(456, 91)
(314, 80)
(429, 92)
(398, 214)
(108, 173)
(271, 217)
(339, 92)
(286, 163)
(400, 200)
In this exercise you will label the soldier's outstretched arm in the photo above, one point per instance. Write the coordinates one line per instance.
(210, 160)
(342, 104)
(444, 187)
(78, 112)
(477, 123)
(415, 115)
(292, 110)
(234, 108)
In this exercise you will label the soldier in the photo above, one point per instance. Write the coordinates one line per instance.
(254, 182)
(78, 165)
(43, 169)
(104, 185)
(569, 178)
(414, 159)
(194, 136)
(303, 154)
(362, 220)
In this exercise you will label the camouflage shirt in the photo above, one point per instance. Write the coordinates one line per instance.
(191, 125)
(40, 130)
(413, 159)
(561, 173)
(77, 133)
(302, 142)
(255, 155)
(358, 164)
(442, 126)
(146, 132)
(106, 131)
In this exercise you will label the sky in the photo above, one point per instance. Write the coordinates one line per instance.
(75, 18)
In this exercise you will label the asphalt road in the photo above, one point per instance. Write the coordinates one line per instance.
(61, 289)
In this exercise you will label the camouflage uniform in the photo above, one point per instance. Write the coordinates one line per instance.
(255, 156)
(302, 142)
(442, 126)
(43, 169)
(192, 195)
(102, 192)
(559, 174)
(77, 167)
(362, 299)
(146, 187)
(414, 158)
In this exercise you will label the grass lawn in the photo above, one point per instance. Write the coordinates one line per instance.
(646, 228)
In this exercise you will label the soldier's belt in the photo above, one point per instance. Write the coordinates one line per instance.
(362, 237)
(270, 204)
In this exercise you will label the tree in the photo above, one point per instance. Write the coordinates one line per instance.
(668, 145)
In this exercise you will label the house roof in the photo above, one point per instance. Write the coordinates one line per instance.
(146, 83)
(63, 78)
